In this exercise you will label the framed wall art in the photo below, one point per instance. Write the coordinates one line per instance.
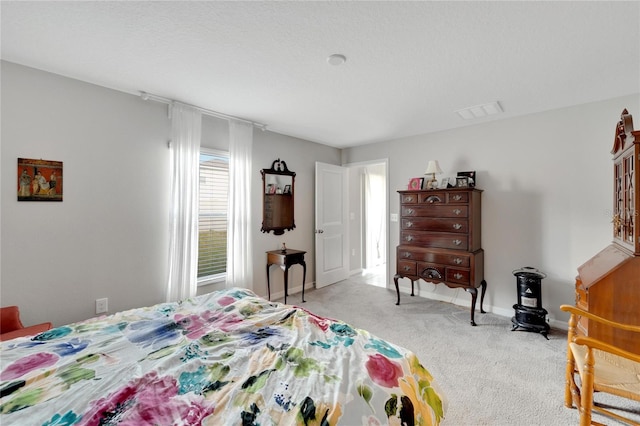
(39, 180)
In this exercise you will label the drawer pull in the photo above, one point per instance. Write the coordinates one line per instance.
(407, 268)
(409, 211)
(457, 242)
(407, 199)
(433, 199)
(432, 273)
(409, 224)
(457, 211)
(457, 261)
(409, 238)
(406, 255)
(457, 197)
(458, 276)
(457, 226)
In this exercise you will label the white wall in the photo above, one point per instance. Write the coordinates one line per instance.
(546, 201)
(547, 181)
(109, 237)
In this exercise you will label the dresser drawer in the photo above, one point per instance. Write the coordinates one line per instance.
(409, 198)
(406, 267)
(435, 239)
(435, 211)
(457, 197)
(436, 224)
(437, 256)
(458, 275)
(433, 198)
(431, 271)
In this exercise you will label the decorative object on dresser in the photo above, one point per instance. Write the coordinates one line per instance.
(440, 240)
(530, 315)
(471, 178)
(462, 182)
(608, 284)
(415, 184)
(433, 169)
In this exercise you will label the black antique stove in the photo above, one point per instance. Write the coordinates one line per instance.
(530, 315)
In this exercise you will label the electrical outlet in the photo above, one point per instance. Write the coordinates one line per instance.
(102, 306)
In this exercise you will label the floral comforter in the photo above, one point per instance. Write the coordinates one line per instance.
(225, 358)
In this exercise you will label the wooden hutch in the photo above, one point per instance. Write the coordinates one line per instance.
(608, 284)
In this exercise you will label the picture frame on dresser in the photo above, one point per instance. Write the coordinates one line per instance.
(444, 183)
(415, 184)
(471, 177)
(462, 182)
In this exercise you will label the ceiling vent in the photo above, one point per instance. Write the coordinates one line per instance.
(480, 111)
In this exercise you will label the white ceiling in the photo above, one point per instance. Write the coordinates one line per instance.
(410, 65)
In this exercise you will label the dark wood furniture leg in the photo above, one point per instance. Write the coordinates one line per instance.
(474, 296)
(395, 280)
(304, 277)
(286, 282)
(268, 283)
(484, 290)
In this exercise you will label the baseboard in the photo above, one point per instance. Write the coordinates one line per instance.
(295, 294)
(466, 302)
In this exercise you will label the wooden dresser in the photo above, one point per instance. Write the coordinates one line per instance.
(440, 240)
(608, 284)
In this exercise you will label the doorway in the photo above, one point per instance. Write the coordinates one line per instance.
(371, 236)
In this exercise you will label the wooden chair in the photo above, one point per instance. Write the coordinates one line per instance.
(11, 326)
(601, 367)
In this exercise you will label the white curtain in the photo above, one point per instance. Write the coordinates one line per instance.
(186, 128)
(239, 258)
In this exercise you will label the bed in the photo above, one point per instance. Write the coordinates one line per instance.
(224, 358)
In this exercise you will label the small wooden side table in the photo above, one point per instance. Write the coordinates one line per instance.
(284, 259)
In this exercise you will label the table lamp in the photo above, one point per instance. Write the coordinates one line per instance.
(433, 168)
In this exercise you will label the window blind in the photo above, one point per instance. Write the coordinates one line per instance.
(212, 217)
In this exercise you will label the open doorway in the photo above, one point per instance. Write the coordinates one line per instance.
(374, 220)
(369, 236)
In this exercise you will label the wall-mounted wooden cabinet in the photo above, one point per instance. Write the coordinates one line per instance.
(278, 189)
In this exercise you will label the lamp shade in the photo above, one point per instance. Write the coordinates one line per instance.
(433, 167)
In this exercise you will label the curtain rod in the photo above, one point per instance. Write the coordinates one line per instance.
(151, 97)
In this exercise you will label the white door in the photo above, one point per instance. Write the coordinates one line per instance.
(332, 242)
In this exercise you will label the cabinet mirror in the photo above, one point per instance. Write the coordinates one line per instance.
(278, 185)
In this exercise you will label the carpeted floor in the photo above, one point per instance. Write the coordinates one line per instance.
(489, 374)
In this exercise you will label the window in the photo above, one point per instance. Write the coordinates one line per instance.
(212, 216)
